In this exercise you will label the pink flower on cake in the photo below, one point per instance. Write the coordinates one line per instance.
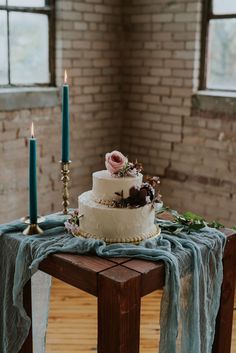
(115, 161)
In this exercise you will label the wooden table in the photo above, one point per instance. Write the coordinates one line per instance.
(119, 284)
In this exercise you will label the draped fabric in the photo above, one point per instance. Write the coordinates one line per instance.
(193, 277)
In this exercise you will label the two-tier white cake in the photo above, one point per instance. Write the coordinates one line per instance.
(108, 212)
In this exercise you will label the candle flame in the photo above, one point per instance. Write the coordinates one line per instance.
(65, 77)
(32, 130)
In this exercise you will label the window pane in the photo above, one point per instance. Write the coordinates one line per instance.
(27, 3)
(2, 2)
(221, 63)
(29, 48)
(224, 6)
(3, 49)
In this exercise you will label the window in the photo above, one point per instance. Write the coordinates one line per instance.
(218, 45)
(27, 43)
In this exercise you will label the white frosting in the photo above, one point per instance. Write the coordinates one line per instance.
(115, 224)
(105, 185)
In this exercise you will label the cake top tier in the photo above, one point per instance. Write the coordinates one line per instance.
(106, 185)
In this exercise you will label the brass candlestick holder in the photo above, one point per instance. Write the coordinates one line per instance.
(32, 228)
(65, 171)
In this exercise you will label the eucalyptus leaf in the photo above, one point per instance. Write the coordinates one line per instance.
(178, 230)
(192, 216)
(216, 224)
(188, 221)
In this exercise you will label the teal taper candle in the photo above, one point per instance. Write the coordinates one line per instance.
(32, 177)
(65, 122)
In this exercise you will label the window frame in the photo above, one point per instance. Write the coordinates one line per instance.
(207, 15)
(49, 10)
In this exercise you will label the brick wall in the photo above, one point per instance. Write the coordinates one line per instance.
(132, 63)
(159, 63)
(193, 151)
(87, 45)
(14, 132)
(202, 177)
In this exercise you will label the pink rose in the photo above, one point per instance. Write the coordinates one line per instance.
(115, 161)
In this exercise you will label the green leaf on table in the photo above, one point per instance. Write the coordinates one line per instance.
(178, 230)
(197, 226)
(189, 222)
(190, 216)
(164, 208)
(215, 224)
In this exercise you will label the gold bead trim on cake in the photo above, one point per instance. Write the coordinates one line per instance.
(104, 202)
(110, 203)
(136, 239)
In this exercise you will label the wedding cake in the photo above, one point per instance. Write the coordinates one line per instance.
(120, 206)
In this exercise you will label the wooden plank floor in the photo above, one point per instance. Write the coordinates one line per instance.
(73, 321)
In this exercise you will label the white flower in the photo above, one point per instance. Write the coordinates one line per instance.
(148, 200)
(158, 206)
(132, 172)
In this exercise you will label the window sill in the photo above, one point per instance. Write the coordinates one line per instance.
(216, 101)
(28, 98)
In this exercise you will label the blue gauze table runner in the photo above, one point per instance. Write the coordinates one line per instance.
(193, 277)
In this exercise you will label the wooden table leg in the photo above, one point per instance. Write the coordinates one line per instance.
(119, 298)
(224, 322)
(27, 300)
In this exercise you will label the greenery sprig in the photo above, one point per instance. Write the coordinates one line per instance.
(188, 222)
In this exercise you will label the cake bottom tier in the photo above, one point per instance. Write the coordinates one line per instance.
(115, 225)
